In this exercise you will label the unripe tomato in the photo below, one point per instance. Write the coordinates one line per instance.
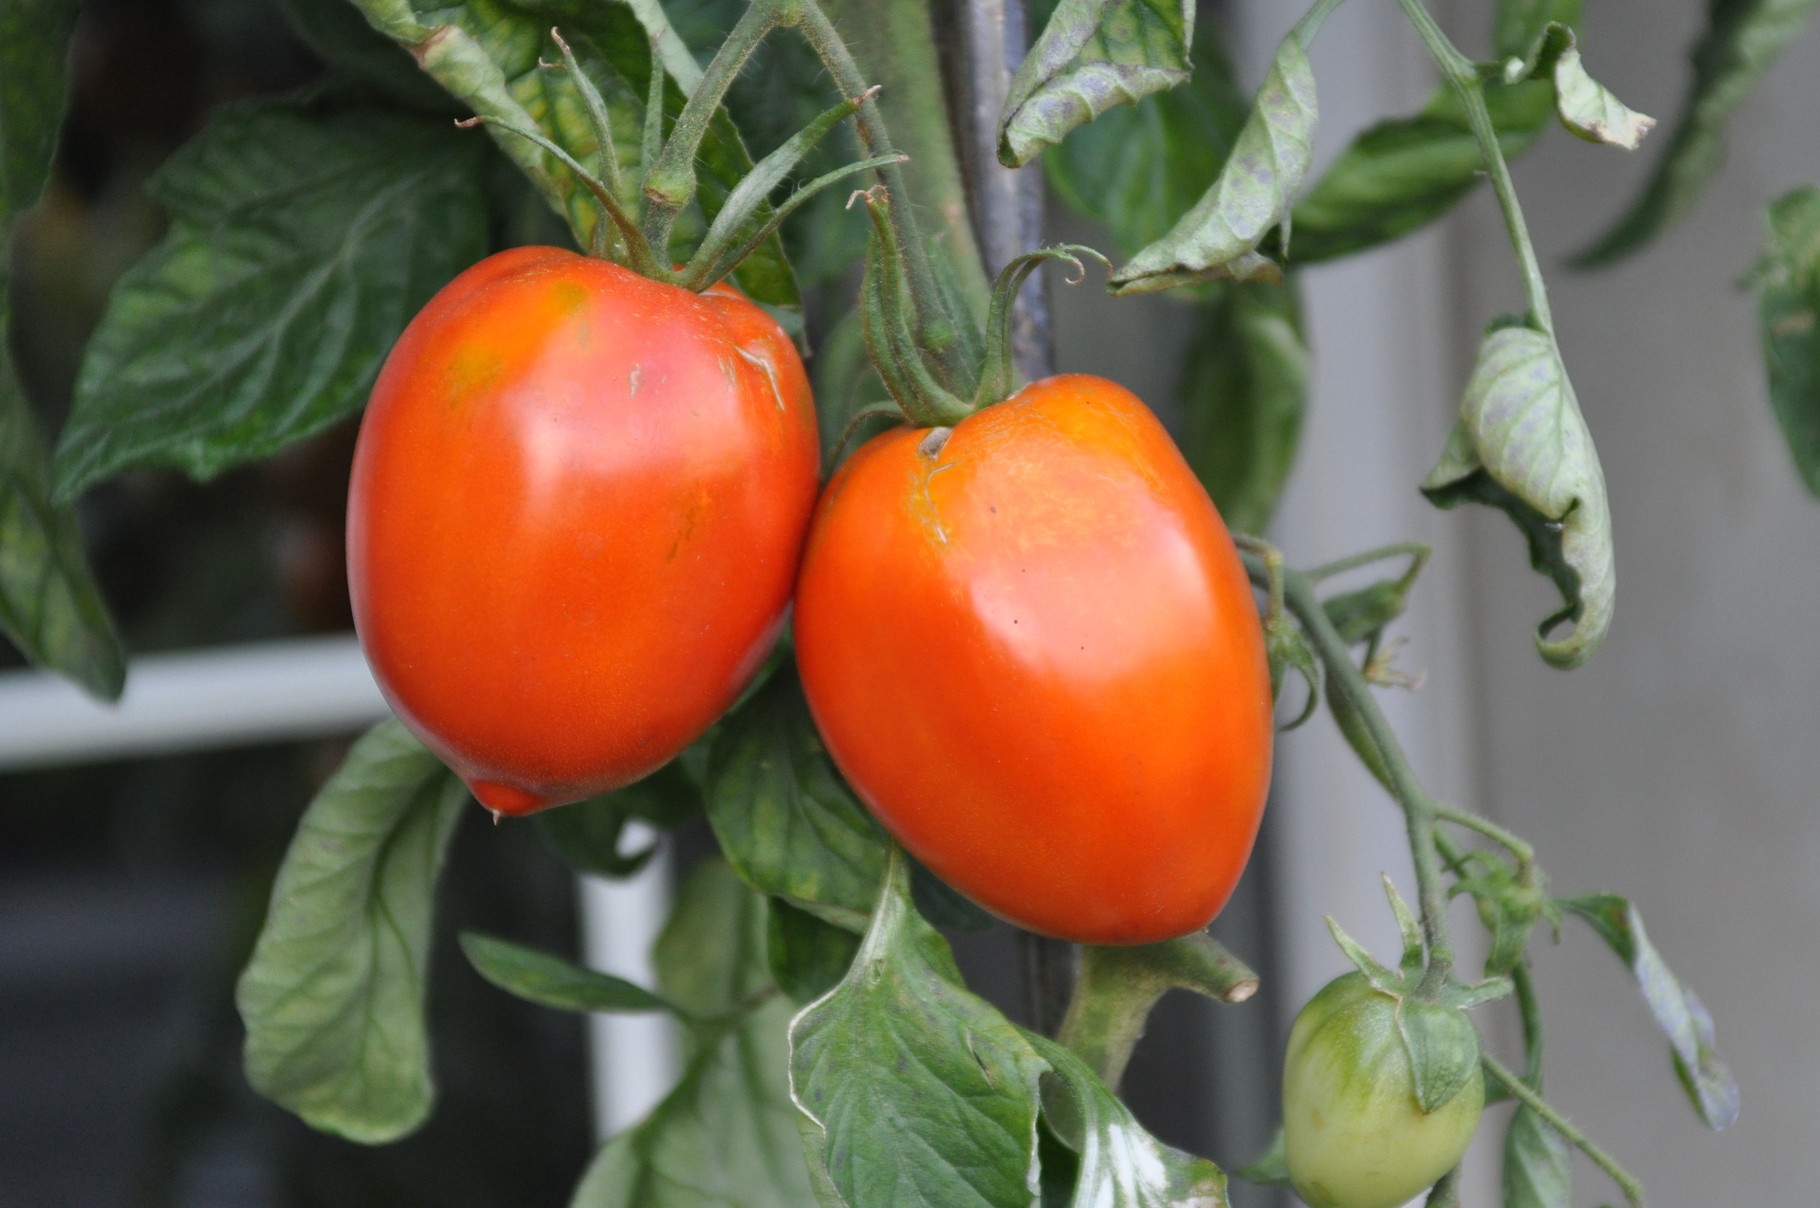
(1033, 651)
(1353, 1133)
(578, 501)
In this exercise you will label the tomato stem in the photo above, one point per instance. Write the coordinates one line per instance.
(889, 313)
(1627, 1183)
(998, 377)
(1116, 988)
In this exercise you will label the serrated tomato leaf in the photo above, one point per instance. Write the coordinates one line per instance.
(726, 1136)
(1741, 40)
(1120, 1164)
(551, 981)
(1678, 1012)
(915, 1092)
(1138, 168)
(1244, 390)
(1091, 56)
(1522, 446)
(1402, 174)
(1218, 238)
(333, 997)
(49, 605)
(304, 236)
(783, 816)
(1538, 1164)
(1788, 312)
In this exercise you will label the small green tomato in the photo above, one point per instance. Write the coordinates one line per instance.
(1354, 1135)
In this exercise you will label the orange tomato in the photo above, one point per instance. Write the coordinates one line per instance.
(577, 506)
(1033, 651)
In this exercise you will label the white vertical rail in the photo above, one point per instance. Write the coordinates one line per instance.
(635, 1058)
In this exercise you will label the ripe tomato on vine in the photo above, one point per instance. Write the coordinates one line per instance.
(576, 508)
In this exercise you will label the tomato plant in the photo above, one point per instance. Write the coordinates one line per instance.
(1031, 668)
(574, 520)
(1046, 608)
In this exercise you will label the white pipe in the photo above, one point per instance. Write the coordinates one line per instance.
(635, 1056)
(230, 696)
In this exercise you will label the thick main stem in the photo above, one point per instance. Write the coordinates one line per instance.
(1463, 76)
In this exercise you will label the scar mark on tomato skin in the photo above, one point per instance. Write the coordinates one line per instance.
(770, 371)
(632, 378)
(935, 516)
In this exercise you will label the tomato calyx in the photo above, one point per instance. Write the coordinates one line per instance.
(1437, 1036)
(637, 214)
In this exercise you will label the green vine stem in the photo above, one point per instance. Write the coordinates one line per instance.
(1419, 809)
(1463, 75)
(1115, 988)
(1627, 1182)
(1416, 551)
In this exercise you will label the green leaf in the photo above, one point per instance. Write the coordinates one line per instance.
(486, 54)
(1538, 1164)
(550, 981)
(1742, 38)
(1091, 56)
(1679, 1013)
(1587, 107)
(782, 814)
(1788, 309)
(942, 904)
(1520, 24)
(726, 1137)
(589, 833)
(336, 31)
(1218, 237)
(304, 236)
(1122, 1165)
(808, 955)
(1401, 175)
(1522, 445)
(34, 80)
(710, 957)
(1443, 1050)
(1138, 168)
(49, 605)
(1361, 615)
(1244, 390)
(333, 997)
(916, 1092)
(1357, 734)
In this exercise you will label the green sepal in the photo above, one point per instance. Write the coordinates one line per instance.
(1443, 1049)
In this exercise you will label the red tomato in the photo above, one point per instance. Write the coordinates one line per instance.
(1033, 651)
(577, 507)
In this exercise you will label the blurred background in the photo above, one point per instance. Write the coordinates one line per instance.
(1679, 767)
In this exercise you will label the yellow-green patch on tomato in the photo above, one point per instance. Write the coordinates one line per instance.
(1353, 1133)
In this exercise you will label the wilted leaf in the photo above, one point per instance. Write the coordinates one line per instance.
(1588, 108)
(550, 981)
(1400, 175)
(333, 996)
(303, 238)
(1742, 38)
(1680, 1015)
(1092, 55)
(1520, 24)
(1788, 309)
(1244, 390)
(1522, 445)
(783, 816)
(1219, 236)
(1121, 1165)
(916, 1092)
(1538, 1164)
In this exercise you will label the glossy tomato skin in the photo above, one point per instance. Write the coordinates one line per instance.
(577, 506)
(1034, 652)
(1354, 1135)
